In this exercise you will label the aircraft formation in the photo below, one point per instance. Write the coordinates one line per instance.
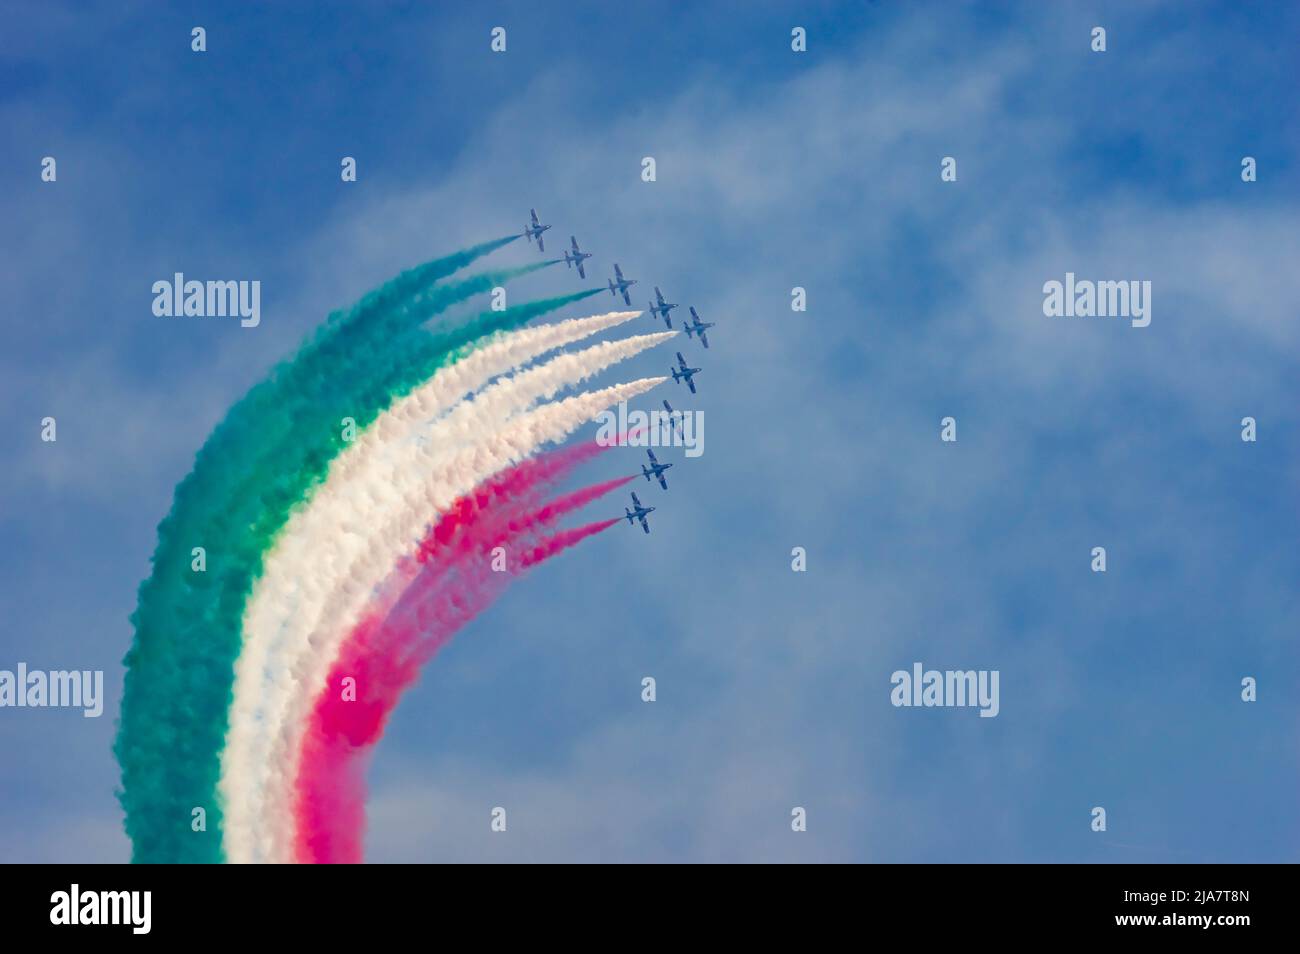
(683, 373)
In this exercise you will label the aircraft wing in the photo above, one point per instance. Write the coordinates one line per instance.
(681, 361)
(627, 299)
(644, 525)
(690, 383)
(574, 240)
(535, 222)
(703, 339)
(662, 482)
(618, 272)
(540, 246)
(653, 458)
(581, 272)
(635, 503)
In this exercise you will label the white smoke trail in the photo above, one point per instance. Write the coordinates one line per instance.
(324, 538)
(307, 676)
(279, 587)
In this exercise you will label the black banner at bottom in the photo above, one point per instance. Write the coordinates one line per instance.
(210, 904)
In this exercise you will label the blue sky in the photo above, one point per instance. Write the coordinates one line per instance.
(775, 170)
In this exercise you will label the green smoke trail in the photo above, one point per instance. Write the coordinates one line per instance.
(180, 676)
(396, 292)
(169, 598)
(318, 360)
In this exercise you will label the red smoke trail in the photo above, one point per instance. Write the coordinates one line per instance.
(550, 512)
(522, 484)
(435, 606)
(533, 474)
(456, 578)
(559, 542)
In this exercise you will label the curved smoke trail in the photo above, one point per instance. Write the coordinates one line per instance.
(208, 729)
(322, 542)
(187, 635)
(520, 437)
(459, 577)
